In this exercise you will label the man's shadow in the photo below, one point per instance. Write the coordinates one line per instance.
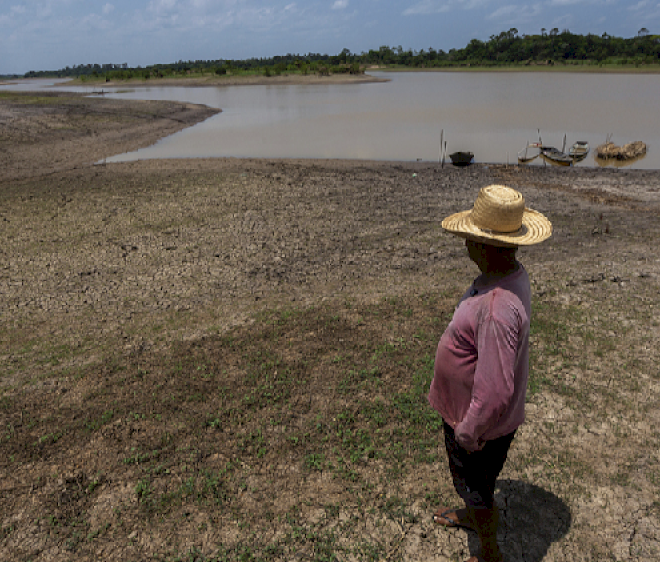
(531, 519)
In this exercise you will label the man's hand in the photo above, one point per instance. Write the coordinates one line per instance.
(467, 441)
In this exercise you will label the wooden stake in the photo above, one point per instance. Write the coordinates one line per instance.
(442, 134)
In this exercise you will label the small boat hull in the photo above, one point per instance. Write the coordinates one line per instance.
(556, 157)
(526, 155)
(461, 158)
(579, 151)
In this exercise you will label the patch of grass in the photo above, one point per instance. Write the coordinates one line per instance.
(97, 423)
(235, 428)
(50, 438)
(144, 491)
(355, 380)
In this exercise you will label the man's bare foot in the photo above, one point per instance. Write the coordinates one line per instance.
(454, 518)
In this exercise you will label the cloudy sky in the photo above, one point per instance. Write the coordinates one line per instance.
(52, 34)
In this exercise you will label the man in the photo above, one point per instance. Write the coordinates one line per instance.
(482, 362)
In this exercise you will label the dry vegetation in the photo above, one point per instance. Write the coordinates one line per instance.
(228, 359)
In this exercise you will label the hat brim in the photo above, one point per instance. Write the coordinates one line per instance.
(535, 228)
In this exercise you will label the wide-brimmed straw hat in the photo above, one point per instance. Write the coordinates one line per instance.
(499, 217)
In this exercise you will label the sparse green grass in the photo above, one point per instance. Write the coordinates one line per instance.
(303, 431)
(354, 430)
(331, 406)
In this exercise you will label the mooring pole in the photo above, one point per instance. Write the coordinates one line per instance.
(442, 133)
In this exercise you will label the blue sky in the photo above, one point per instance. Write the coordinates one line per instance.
(52, 34)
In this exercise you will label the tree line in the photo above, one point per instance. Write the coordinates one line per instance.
(509, 48)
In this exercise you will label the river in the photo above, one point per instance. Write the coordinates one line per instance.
(492, 114)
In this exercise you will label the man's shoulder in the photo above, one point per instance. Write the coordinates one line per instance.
(507, 304)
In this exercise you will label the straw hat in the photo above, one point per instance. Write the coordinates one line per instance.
(499, 218)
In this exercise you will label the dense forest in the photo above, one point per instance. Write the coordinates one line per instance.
(506, 49)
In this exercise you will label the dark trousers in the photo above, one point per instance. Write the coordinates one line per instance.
(475, 474)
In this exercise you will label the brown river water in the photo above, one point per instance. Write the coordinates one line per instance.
(492, 114)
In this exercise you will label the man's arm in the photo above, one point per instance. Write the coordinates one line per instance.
(497, 345)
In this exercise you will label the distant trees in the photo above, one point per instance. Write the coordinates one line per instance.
(505, 48)
(560, 47)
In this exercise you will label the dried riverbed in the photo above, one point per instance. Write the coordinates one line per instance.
(143, 305)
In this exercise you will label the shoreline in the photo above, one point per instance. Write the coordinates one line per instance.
(213, 81)
(365, 78)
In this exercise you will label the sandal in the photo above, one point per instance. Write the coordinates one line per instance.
(441, 518)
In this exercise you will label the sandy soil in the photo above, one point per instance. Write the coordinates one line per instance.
(110, 275)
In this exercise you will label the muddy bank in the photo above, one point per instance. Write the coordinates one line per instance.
(51, 132)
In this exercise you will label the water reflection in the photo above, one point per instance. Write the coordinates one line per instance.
(614, 163)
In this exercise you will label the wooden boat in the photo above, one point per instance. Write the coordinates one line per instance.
(555, 156)
(630, 151)
(525, 156)
(461, 158)
(579, 151)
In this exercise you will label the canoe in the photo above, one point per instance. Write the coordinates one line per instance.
(579, 150)
(525, 155)
(461, 158)
(555, 156)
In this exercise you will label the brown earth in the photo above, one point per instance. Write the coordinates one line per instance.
(57, 131)
(226, 359)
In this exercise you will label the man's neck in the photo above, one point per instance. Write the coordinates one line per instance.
(492, 272)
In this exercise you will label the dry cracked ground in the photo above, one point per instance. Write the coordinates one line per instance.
(228, 359)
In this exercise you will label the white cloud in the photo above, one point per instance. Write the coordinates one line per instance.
(516, 15)
(503, 12)
(159, 6)
(442, 6)
(426, 7)
(94, 22)
(340, 5)
(107, 9)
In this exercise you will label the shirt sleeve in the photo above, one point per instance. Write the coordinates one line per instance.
(497, 345)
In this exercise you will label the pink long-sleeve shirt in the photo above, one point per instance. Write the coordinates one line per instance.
(482, 362)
